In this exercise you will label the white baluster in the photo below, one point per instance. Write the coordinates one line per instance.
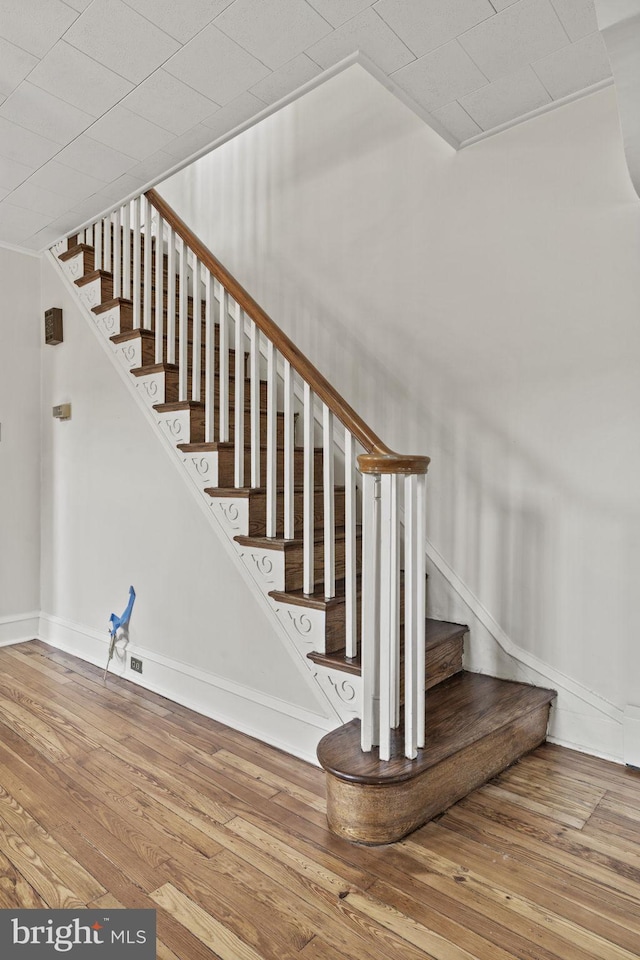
(239, 396)
(289, 454)
(97, 258)
(420, 605)
(117, 256)
(106, 223)
(350, 563)
(137, 279)
(254, 373)
(196, 351)
(183, 344)
(126, 252)
(159, 265)
(308, 544)
(370, 638)
(272, 451)
(411, 675)
(389, 613)
(224, 365)
(328, 496)
(148, 250)
(210, 360)
(171, 296)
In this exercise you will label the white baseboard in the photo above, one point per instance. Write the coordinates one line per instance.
(18, 628)
(274, 721)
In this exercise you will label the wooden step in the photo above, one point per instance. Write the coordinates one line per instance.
(171, 385)
(226, 463)
(147, 340)
(476, 727)
(196, 415)
(257, 498)
(293, 554)
(106, 283)
(444, 643)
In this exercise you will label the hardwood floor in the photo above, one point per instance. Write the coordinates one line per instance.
(116, 797)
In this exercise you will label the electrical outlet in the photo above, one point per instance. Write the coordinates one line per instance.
(136, 665)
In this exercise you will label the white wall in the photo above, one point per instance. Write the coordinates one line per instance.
(482, 307)
(20, 337)
(116, 512)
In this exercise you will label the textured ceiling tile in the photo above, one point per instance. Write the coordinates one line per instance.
(365, 32)
(35, 25)
(153, 166)
(576, 67)
(509, 41)
(338, 12)
(228, 118)
(22, 145)
(13, 173)
(502, 4)
(120, 188)
(97, 159)
(17, 223)
(78, 5)
(118, 37)
(457, 121)
(190, 142)
(167, 101)
(425, 26)
(287, 79)
(38, 111)
(216, 66)
(578, 17)
(181, 19)
(69, 74)
(129, 133)
(42, 240)
(440, 77)
(274, 32)
(15, 64)
(506, 99)
(70, 183)
(43, 201)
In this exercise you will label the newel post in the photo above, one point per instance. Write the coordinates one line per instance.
(391, 481)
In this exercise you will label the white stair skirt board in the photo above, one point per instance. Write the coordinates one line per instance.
(18, 628)
(281, 724)
(632, 735)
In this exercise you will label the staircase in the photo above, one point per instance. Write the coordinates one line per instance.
(329, 521)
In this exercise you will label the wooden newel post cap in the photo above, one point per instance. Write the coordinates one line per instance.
(392, 463)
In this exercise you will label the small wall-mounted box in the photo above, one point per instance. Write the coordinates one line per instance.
(53, 325)
(62, 411)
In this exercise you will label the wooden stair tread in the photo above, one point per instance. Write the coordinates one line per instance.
(460, 712)
(74, 251)
(152, 368)
(279, 543)
(110, 304)
(217, 445)
(247, 493)
(94, 275)
(437, 633)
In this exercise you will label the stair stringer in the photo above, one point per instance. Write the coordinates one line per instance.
(301, 631)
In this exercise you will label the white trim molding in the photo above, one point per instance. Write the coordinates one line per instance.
(19, 627)
(284, 725)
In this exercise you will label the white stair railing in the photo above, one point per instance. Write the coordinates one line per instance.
(208, 325)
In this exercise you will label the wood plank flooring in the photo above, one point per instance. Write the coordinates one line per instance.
(113, 796)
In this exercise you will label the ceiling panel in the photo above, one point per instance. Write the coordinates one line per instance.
(129, 133)
(18, 223)
(292, 75)
(235, 69)
(457, 121)
(119, 38)
(13, 173)
(273, 32)
(42, 201)
(440, 77)
(35, 25)
(39, 111)
(233, 114)
(337, 12)
(578, 17)
(181, 19)
(22, 145)
(365, 32)
(505, 99)
(520, 34)
(15, 64)
(96, 159)
(72, 76)
(574, 68)
(167, 101)
(425, 26)
(66, 181)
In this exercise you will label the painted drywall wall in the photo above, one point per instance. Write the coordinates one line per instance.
(20, 338)
(116, 512)
(481, 307)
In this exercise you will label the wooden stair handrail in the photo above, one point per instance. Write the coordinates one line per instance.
(379, 458)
